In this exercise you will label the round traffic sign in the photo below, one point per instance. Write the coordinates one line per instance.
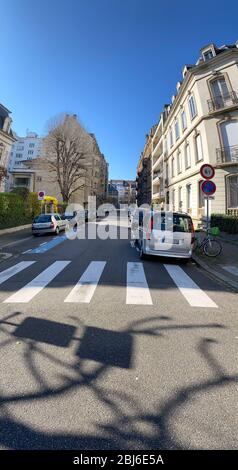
(207, 171)
(41, 195)
(208, 187)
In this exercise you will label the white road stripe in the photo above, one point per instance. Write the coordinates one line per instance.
(85, 287)
(17, 268)
(137, 292)
(231, 269)
(26, 293)
(195, 296)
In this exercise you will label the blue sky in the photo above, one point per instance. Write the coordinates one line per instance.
(112, 62)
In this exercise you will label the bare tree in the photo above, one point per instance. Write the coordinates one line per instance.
(68, 149)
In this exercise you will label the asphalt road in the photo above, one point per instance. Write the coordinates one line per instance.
(123, 360)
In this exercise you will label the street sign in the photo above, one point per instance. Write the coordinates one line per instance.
(207, 171)
(208, 187)
(41, 195)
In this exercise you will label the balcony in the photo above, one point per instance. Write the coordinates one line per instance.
(157, 174)
(227, 154)
(222, 101)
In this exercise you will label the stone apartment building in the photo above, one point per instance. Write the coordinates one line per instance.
(144, 168)
(23, 151)
(7, 139)
(200, 126)
(126, 190)
(31, 170)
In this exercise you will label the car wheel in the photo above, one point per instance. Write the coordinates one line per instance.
(57, 231)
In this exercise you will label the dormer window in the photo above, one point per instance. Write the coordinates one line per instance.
(208, 55)
(208, 52)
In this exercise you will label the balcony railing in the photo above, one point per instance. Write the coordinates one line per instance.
(227, 154)
(157, 174)
(222, 101)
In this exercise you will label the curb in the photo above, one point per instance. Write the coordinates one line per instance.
(4, 256)
(14, 229)
(214, 272)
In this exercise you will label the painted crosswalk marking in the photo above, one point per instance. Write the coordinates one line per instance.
(30, 290)
(231, 269)
(17, 268)
(137, 291)
(85, 288)
(195, 296)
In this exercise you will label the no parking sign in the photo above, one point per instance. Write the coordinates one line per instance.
(208, 187)
(41, 195)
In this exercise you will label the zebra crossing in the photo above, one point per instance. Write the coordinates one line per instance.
(137, 288)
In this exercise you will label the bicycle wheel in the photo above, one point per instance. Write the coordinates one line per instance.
(212, 247)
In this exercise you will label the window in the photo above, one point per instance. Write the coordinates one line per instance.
(188, 187)
(172, 164)
(232, 191)
(192, 106)
(183, 120)
(198, 145)
(173, 198)
(180, 202)
(19, 155)
(30, 152)
(208, 54)
(168, 145)
(31, 145)
(187, 156)
(179, 162)
(22, 182)
(174, 222)
(20, 147)
(171, 137)
(176, 126)
(200, 195)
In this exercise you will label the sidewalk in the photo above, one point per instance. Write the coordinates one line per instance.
(14, 229)
(224, 266)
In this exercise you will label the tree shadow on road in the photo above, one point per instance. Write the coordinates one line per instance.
(134, 429)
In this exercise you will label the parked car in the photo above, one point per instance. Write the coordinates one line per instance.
(48, 223)
(169, 234)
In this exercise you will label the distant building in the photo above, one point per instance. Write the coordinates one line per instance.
(6, 140)
(144, 171)
(23, 151)
(29, 168)
(112, 194)
(126, 191)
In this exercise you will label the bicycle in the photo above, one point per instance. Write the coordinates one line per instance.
(209, 246)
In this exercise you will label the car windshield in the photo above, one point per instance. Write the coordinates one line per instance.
(172, 222)
(42, 218)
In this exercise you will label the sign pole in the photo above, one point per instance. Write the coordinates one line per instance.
(207, 204)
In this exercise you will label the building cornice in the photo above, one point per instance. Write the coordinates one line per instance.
(193, 72)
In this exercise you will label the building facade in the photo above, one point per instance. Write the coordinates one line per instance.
(28, 168)
(144, 169)
(7, 139)
(200, 126)
(23, 151)
(126, 191)
(112, 195)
